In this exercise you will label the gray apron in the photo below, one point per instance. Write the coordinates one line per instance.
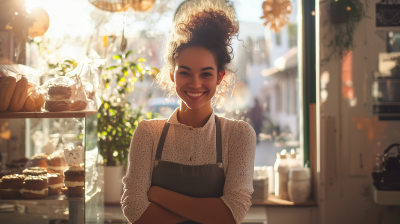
(203, 181)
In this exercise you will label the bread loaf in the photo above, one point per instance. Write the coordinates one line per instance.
(7, 87)
(19, 96)
(29, 105)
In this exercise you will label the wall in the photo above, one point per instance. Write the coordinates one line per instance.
(349, 136)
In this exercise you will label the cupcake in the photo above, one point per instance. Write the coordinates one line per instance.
(35, 187)
(10, 186)
(39, 160)
(56, 164)
(74, 181)
(55, 183)
(34, 171)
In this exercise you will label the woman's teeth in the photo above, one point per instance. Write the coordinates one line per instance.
(195, 94)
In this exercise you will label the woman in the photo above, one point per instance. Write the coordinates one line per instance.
(193, 167)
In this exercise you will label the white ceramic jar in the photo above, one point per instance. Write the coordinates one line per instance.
(299, 184)
(281, 175)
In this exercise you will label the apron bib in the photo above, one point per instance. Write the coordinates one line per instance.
(202, 181)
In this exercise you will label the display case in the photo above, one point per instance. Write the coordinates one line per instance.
(27, 134)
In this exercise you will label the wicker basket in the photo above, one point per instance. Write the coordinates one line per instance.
(123, 5)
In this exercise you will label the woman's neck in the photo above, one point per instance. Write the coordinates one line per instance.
(194, 118)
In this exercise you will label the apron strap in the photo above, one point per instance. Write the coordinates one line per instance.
(162, 140)
(218, 142)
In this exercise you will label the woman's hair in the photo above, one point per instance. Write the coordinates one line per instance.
(209, 26)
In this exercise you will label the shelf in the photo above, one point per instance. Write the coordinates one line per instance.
(386, 197)
(63, 114)
(273, 201)
(57, 197)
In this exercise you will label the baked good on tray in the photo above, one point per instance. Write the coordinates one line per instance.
(34, 171)
(56, 164)
(35, 187)
(55, 183)
(39, 160)
(59, 98)
(74, 180)
(10, 186)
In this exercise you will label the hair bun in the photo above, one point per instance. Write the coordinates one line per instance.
(206, 24)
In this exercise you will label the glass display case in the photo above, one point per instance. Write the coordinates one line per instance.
(24, 136)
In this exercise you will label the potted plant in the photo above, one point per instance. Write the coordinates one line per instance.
(116, 119)
(343, 19)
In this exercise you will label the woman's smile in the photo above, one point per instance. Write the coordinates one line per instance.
(195, 95)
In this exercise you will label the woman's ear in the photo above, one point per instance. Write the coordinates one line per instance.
(171, 76)
(221, 76)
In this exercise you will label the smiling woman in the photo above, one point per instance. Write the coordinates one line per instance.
(193, 167)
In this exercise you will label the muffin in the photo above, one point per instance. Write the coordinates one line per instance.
(35, 187)
(55, 183)
(74, 181)
(56, 164)
(39, 160)
(34, 171)
(59, 95)
(10, 186)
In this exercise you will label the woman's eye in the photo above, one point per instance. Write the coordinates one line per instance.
(184, 73)
(207, 74)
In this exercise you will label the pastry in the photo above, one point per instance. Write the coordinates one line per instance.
(59, 98)
(30, 104)
(7, 87)
(34, 171)
(10, 186)
(39, 160)
(56, 164)
(19, 96)
(35, 187)
(55, 183)
(78, 105)
(14, 167)
(74, 181)
(59, 92)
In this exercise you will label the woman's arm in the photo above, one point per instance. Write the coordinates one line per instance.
(203, 210)
(157, 214)
(135, 204)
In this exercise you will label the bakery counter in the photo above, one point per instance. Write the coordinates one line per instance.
(63, 114)
(52, 207)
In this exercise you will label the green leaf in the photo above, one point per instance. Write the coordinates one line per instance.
(117, 56)
(112, 67)
(128, 53)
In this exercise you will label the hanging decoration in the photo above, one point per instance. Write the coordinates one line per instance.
(123, 5)
(276, 13)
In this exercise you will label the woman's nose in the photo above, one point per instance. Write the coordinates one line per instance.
(195, 82)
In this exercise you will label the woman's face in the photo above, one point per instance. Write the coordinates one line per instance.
(196, 77)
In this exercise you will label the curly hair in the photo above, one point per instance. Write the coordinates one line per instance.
(209, 26)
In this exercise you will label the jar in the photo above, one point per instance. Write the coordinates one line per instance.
(299, 184)
(260, 184)
(281, 175)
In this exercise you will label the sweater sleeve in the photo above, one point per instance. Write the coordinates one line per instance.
(239, 172)
(137, 181)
